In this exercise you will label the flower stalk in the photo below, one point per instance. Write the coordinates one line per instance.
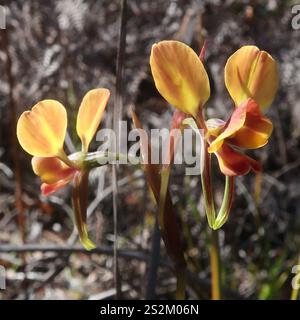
(79, 200)
(295, 291)
(216, 293)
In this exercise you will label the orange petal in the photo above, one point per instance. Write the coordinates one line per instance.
(51, 170)
(256, 130)
(48, 189)
(41, 131)
(233, 163)
(179, 76)
(90, 114)
(246, 128)
(251, 73)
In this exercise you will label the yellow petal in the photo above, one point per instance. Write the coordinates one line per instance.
(51, 170)
(41, 131)
(179, 76)
(90, 114)
(246, 128)
(251, 73)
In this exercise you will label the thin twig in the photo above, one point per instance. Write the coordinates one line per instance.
(117, 114)
(14, 142)
(27, 248)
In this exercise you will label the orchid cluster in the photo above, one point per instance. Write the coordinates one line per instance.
(251, 78)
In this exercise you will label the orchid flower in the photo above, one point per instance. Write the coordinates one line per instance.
(41, 132)
(251, 78)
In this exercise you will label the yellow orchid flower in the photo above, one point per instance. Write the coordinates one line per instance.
(251, 77)
(180, 76)
(41, 132)
(251, 73)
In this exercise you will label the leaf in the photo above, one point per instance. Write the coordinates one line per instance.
(169, 226)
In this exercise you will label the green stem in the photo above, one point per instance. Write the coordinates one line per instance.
(181, 283)
(294, 295)
(295, 291)
(211, 217)
(215, 221)
(63, 157)
(79, 199)
(215, 266)
(226, 203)
(165, 229)
(207, 189)
(165, 175)
(257, 188)
(96, 159)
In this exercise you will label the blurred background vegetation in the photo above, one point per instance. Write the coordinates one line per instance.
(60, 50)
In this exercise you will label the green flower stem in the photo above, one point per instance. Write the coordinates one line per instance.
(295, 291)
(63, 157)
(215, 266)
(181, 283)
(215, 221)
(211, 217)
(206, 182)
(79, 199)
(99, 158)
(226, 203)
(165, 175)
